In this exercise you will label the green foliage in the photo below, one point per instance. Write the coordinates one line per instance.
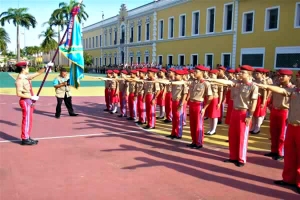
(4, 39)
(88, 59)
(48, 43)
(32, 69)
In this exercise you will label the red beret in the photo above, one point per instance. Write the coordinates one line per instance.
(214, 71)
(163, 70)
(260, 70)
(192, 71)
(207, 69)
(21, 64)
(185, 68)
(201, 68)
(247, 68)
(133, 71)
(285, 72)
(152, 70)
(109, 71)
(237, 70)
(298, 74)
(143, 70)
(231, 71)
(180, 72)
(124, 72)
(172, 69)
(266, 70)
(186, 72)
(222, 68)
(116, 71)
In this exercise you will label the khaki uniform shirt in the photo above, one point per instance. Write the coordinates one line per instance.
(199, 89)
(244, 95)
(114, 84)
(151, 88)
(294, 111)
(168, 88)
(107, 84)
(64, 90)
(216, 90)
(139, 90)
(23, 84)
(280, 101)
(178, 91)
(131, 87)
(260, 90)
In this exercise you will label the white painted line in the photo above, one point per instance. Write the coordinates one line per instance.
(2, 103)
(72, 136)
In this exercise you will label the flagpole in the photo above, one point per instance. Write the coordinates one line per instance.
(49, 68)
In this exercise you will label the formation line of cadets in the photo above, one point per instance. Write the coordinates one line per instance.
(248, 93)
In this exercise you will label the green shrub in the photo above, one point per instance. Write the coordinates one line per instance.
(32, 69)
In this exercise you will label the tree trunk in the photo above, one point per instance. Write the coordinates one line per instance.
(18, 44)
(58, 44)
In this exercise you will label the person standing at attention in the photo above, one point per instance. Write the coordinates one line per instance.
(27, 98)
(61, 84)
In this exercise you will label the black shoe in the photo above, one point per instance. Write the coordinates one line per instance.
(197, 147)
(239, 164)
(178, 138)
(130, 118)
(298, 190)
(230, 161)
(140, 123)
(148, 127)
(282, 183)
(36, 141)
(191, 145)
(169, 136)
(255, 133)
(57, 117)
(106, 110)
(73, 114)
(160, 117)
(271, 154)
(28, 142)
(226, 140)
(167, 121)
(278, 157)
(121, 115)
(219, 122)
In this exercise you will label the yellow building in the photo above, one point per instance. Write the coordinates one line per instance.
(190, 32)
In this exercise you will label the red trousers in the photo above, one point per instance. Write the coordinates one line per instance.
(107, 98)
(123, 103)
(238, 136)
(278, 130)
(177, 121)
(291, 169)
(132, 105)
(161, 99)
(259, 111)
(221, 112)
(212, 110)
(229, 110)
(184, 113)
(168, 105)
(141, 107)
(27, 111)
(114, 96)
(197, 123)
(150, 110)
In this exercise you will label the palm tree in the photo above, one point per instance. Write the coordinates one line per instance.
(4, 39)
(48, 43)
(19, 17)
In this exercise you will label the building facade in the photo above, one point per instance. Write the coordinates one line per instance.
(190, 32)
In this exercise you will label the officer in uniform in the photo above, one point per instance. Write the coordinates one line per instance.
(244, 104)
(27, 98)
(291, 170)
(162, 95)
(107, 91)
(114, 92)
(168, 99)
(123, 88)
(198, 91)
(61, 84)
(132, 100)
(139, 94)
(229, 100)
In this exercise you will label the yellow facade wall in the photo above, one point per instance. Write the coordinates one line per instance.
(142, 50)
(143, 28)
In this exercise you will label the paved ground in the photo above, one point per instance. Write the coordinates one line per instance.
(98, 156)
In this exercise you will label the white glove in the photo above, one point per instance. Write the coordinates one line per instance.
(50, 64)
(35, 98)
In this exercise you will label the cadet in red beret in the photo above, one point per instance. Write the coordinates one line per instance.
(221, 75)
(132, 99)
(278, 116)
(244, 104)
(151, 92)
(114, 92)
(123, 94)
(261, 107)
(291, 170)
(27, 98)
(214, 108)
(168, 97)
(162, 94)
(185, 78)
(107, 91)
(139, 93)
(229, 96)
(199, 90)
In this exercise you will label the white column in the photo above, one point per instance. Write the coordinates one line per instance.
(234, 40)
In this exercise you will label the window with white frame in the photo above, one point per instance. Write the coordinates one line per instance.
(253, 56)
(160, 60)
(182, 25)
(96, 61)
(105, 61)
(210, 20)
(194, 59)
(228, 17)
(209, 60)
(131, 60)
(100, 38)
(86, 43)
(100, 62)
(131, 34)
(181, 59)
(139, 33)
(115, 60)
(147, 37)
(170, 60)
(110, 39)
(139, 60)
(109, 60)
(96, 41)
(171, 28)
(195, 23)
(105, 39)
(161, 29)
(248, 22)
(287, 57)
(297, 15)
(146, 59)
(272, 16)
(93, 42)
(83, 43)
(90, 43)
(226, 59)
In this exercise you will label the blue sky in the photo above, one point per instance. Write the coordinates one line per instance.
(42, 10)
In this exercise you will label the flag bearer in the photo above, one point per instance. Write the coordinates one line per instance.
(291, 169)
(107, 91)
(198, 91)
(279, 115)
(244, 104)
(139, 94)
(151, 92)
(179, 94)
(114, 92)
(132, 100)
(123, 94)
(214, 108)
(27, 98)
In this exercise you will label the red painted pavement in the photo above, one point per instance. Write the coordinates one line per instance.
(118, 163)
